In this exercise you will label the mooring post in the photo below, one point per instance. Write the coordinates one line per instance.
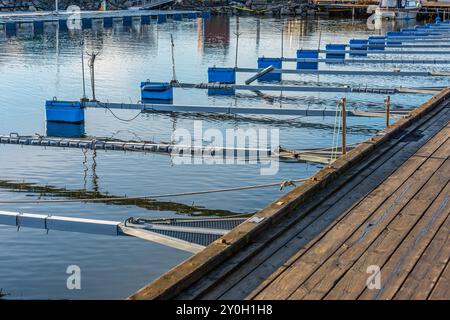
(388, 108)
(91, 65)
(282, 40)
(82, 70)
(344, 126)
(237, 33)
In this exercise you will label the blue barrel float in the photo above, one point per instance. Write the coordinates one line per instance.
(307, 54)
(11, 29)
(145, 20)
(277, 63)
(108, 22)
(394, 34)
(38, 27)
(192, 15)
(156, 92)
(222, 76)
(63, 24)
(337, 55)
(162, 18)
(358, 45)
(127, 21)
(376, 43)
(86, 23)
(64, 111)
(66, 130)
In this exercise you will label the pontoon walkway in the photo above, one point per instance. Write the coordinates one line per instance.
(385, 204)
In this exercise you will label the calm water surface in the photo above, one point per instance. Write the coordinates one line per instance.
(34, 68)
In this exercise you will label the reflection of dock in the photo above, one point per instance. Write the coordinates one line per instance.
(344, 3)
(383, 208)
(11, 21)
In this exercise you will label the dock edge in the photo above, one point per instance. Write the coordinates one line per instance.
(189, 271)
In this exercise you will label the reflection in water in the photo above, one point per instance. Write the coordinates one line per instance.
(66, 130)
(216, 33)
(49, 191)
(383, 25)
(94, 171)
(129, 56)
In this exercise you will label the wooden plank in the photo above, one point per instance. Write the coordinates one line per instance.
(400, 264)
(422, 279)
(390, 196)
(324, 279)
(308, 263)
(353, 283)
(193, 269)
(247, 269)
(240, 282)
(442, 289)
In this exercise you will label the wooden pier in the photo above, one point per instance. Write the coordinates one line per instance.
(382, 209)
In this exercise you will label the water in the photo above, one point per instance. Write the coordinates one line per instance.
(35, 68)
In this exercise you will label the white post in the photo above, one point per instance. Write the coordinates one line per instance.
(56, 6)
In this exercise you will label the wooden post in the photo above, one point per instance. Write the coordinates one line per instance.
(344, 126)
(388, 109)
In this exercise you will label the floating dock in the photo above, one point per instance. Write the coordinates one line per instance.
(186, 234)
(384, 207)
(165, 108)
(11, 21)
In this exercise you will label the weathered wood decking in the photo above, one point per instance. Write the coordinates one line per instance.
(384, 204)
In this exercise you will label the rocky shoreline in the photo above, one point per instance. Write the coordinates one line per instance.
(253, 7)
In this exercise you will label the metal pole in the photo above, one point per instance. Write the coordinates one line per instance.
(174, 76)
(91, 65)
(344, 126)
(237, 43)
(388, 109)
(282, 41)
(82, 70)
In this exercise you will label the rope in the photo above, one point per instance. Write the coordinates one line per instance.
(117, 117)
(336, 130)
(281, 185)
